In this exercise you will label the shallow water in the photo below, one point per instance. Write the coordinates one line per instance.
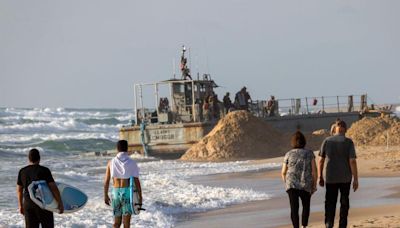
(373, 191)
(64, 135)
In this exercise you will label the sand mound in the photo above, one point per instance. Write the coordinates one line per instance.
(371, 131)
(239, 135)
(314, 141)
(392, 135)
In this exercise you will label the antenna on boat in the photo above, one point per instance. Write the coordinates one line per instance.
(196, 63)
(190, 59)
(184, 68)
(174, 67)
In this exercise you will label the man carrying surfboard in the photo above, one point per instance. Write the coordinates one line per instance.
(126, 186)
(34, 215)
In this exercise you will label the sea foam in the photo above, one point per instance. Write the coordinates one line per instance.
(167, 190)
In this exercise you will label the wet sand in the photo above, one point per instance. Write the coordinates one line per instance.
(375, 204)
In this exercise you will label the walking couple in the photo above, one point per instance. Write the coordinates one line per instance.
(299, 172)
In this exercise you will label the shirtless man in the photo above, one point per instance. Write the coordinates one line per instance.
(121, 168)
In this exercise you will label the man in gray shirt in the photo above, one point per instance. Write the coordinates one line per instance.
(341, 167)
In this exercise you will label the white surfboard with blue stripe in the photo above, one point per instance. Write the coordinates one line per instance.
(73, 198)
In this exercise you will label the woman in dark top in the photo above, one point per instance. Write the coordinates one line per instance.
(299, 172)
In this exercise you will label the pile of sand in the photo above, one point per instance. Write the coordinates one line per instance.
(314, 141)
(239, 135)
(390, 135)
(374, 131)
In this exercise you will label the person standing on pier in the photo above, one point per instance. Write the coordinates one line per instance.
(271, 106)
(242, 99)
(227, 103)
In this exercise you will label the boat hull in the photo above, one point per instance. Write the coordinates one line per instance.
(165, 140)
(172, 140)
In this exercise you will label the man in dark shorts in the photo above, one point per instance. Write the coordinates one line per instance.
(341, 168)
(34, 215)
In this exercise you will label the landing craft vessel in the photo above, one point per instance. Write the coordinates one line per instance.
(179, 118)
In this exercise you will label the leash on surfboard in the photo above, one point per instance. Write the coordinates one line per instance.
(140, 208)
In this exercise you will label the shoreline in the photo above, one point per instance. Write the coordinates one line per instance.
(371, 205)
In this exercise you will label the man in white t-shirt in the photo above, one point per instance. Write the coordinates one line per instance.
(121, 168)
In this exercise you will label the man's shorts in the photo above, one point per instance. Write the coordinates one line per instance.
(34, 215)
(121, 201)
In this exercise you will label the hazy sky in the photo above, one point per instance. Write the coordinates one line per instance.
(90, 53)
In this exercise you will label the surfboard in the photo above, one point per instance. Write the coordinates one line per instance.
(73, 198)
(134, 198)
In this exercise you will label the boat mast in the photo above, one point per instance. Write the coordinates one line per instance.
(135, 104)
(184, 68)
(174, 68)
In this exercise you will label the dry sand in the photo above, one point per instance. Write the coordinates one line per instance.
(236, 136)
(375, 204)
(379, 162)
(240, 135)
(378, 131)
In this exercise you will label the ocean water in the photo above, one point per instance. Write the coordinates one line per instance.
(65, 135)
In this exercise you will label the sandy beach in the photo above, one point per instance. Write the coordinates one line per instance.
(375, 204)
